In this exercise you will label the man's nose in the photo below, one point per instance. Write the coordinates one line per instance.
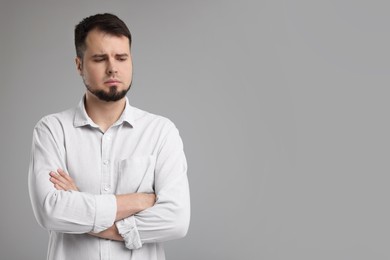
(111, 68)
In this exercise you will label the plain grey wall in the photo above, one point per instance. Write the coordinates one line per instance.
(283, 107)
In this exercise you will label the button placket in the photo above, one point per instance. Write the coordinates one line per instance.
(106, 175)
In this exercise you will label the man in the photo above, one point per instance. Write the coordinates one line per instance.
(106, 179)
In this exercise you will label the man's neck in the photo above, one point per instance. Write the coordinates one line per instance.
(103, 113)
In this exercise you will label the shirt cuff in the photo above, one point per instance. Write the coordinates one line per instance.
(105, 212)
(128, 230)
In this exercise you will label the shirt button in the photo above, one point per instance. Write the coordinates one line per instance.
(105, 162)
(106, 188)
(108, 138)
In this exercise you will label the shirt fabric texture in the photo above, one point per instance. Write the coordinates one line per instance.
(141, 152)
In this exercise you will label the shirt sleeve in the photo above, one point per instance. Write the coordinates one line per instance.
(63, 211)
(170, 216)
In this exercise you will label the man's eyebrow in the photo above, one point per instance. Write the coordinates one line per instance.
(99, 56)
(122, 55)
(105, 55)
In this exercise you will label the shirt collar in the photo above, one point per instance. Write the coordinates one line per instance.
(81, 117)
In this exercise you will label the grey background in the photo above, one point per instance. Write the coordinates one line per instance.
(282, 106)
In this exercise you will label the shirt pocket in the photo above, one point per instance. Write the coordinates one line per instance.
(136, 174)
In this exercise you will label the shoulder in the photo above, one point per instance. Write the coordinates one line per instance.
(56, 120)
(144, 118)
(158, 128)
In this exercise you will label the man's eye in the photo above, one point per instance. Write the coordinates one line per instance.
(122, 59)
(98, 60)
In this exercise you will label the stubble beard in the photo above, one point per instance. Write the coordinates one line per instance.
(111, 96)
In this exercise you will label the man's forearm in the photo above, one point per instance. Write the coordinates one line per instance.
(132, 203)
(110, 233)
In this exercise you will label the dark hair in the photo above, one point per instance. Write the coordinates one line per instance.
(106, 22)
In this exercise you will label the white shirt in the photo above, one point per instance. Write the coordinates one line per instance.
(141, 152)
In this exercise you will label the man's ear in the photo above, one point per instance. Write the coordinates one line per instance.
(79, 65)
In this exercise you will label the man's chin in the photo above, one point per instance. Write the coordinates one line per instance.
(112, 96)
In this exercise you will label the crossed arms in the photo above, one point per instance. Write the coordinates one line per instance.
(127, 204)
(136, 218)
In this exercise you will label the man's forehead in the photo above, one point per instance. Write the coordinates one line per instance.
(102, 42)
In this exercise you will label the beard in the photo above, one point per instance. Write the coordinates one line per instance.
(111, 96)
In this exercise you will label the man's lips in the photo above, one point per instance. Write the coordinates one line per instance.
(111, 81)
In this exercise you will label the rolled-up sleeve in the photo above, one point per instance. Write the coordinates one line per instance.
(57, 210)
(170, 216)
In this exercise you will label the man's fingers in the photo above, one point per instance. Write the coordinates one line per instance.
(61, 172)
(53, 178)
(58, 177)
(68, 180)
(58, 187)
(61, 182)
(57, 184)
(64, 175)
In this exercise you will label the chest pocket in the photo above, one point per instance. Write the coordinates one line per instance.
(136, 174)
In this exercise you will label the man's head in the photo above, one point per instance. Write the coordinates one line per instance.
(107, 23)
(103, 59)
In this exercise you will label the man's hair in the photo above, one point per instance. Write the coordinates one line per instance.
(106, 22)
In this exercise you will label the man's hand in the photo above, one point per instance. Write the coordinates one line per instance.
(62, 181)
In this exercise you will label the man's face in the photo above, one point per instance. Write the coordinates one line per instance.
(106, 67)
